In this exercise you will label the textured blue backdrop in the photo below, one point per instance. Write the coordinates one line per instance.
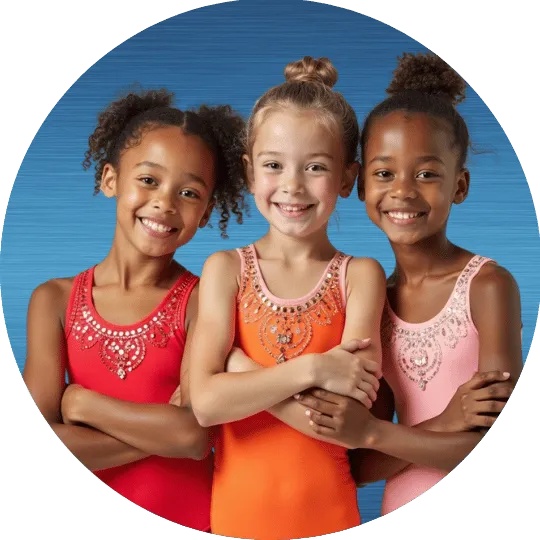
(231, 53)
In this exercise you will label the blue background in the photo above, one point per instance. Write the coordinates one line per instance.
(231, 53)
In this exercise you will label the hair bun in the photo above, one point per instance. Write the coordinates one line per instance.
(429, 74)
(315, 70)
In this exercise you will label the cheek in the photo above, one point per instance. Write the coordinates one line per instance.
(264, 186)
(131, 196)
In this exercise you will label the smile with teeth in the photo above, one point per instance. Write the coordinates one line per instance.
(155, 226)
(404, 216)
(293, 207)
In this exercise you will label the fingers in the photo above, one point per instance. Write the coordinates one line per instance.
(480, 380)
(322, 420)
(487, 406)
(355, 344)
(501, 390)
(480, 420)
(372, 381)
(323, 430)
(328, 396)
(362, 397)
(368, 389)
(319, 405)
(370, 366)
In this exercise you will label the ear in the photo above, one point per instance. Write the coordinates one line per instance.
(361, 185)
(462, 187)
(248, 170)
(349, 178)
(109, 178)
(207, 213)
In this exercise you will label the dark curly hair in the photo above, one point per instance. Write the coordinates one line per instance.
(424, 83)
(122, 124)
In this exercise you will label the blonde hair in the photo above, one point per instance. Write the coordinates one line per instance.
(308, 86)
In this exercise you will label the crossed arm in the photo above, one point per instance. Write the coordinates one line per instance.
(101, 431)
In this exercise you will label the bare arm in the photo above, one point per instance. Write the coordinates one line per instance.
(495, 309)
(44, 375)
(155, 428)
(220, 397)
(366, 290)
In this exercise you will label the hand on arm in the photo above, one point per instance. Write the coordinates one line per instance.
(220, 397)
(495, 309)
(44, 375)
(363, 318)
(167, 430)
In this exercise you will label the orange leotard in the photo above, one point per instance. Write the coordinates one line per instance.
(270, 481)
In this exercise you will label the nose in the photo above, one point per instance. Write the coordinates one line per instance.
(292, 183)
(165, 201)
(403, 187)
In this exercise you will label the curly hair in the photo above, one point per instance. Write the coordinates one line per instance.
(123, 123)
(424, 83)
(308, 86)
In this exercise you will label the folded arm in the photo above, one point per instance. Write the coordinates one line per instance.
(44, 375)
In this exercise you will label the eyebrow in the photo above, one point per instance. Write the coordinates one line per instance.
(312, 155)
(192, 176)
(421, 159)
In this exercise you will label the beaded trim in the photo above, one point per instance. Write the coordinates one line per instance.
(286, 330)
(122, 351)
(418, 352)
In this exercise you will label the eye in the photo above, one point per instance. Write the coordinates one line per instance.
(427, 175)
(383, 175)
(273, 165)
(148, 181)
(317, 167)
(189, 194)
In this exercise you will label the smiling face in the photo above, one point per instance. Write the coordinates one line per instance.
(163, 188)
(411, 176)
(297, 170)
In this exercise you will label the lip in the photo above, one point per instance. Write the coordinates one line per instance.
(154, 232)
(293, 210)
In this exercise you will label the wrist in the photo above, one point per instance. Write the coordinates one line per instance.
(76, 406)
(437, 423)
(313, 370)
(374, 434)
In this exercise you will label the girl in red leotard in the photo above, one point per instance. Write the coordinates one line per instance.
(119, 328)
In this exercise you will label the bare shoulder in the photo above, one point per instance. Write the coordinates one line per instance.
(53, 294)
(493, 281)
(221, 274)
(222, 261)
(365, 271)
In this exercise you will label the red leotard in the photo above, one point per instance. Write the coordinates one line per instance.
(140, 363)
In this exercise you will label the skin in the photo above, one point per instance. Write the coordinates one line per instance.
(297, 163)
(168, 178)
(411, 165)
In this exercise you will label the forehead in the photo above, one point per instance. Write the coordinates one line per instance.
(414, 133)
(171, 148)
(297, 131)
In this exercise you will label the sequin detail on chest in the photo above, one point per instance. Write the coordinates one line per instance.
(122, 351)
(285, 331)
(419, 353)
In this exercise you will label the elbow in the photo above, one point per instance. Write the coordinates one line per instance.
(204, 409)
(201, 448)
(187, 445)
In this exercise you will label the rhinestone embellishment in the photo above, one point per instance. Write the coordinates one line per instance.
(285, 331)
(122, 351)
(419, 353)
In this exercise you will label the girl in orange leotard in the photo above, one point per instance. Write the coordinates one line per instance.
(295, 305)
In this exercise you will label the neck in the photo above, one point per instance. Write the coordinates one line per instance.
(427, 257)
(128, 268)
(315, 246)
